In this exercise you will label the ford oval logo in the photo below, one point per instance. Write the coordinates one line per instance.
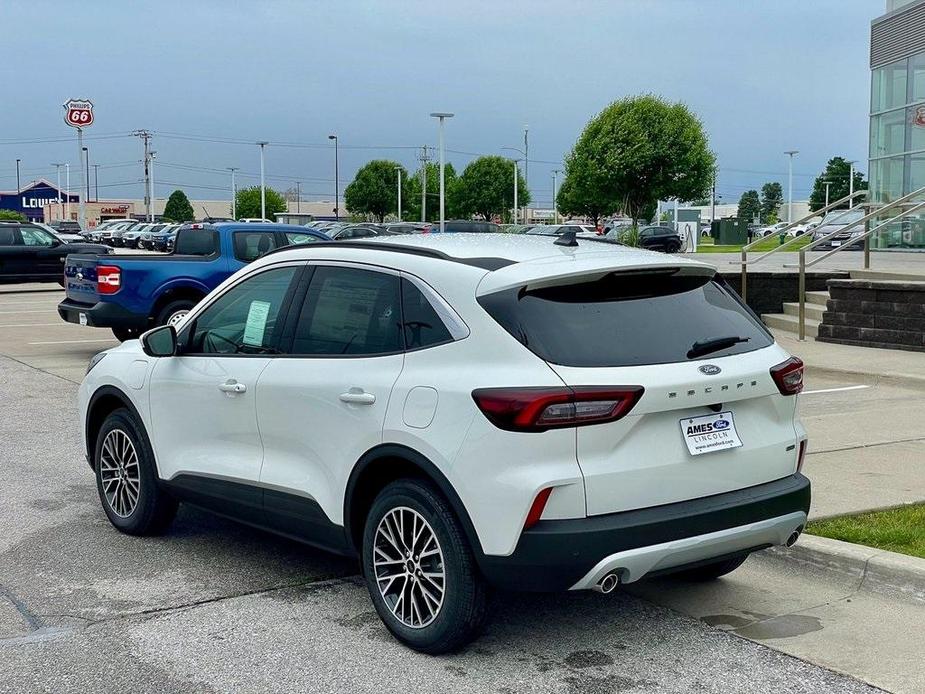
(720, 424)
(709, 369)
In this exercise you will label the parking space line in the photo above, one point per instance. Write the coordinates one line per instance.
(70, 342)
(31, 325)
(833, 390)
(13, 313)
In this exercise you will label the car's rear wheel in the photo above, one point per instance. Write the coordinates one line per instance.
(123, 334)
(174, 312)
(126, 478)
(420, 571)
(712, 571)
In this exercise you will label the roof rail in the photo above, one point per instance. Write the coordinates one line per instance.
(483, 263)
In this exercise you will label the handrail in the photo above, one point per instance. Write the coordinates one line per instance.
(865, 236)
(747, 247)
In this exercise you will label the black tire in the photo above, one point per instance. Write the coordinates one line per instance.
(123, 334)
(673, 248)
(710, 572)
(154, 509)
(172, 308)
(461, 616)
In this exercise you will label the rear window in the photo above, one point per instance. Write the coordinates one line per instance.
(196, 242)
(626, 319)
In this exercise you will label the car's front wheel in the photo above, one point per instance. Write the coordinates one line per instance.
(420, 571)
(126, 478)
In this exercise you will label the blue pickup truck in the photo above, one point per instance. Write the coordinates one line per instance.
(133, 293)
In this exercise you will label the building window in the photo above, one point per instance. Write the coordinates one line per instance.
(888, 133)
(918, 77)
(886, 179)
(888, 86)
(915, 115)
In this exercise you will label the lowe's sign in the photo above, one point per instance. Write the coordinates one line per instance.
(31, 200)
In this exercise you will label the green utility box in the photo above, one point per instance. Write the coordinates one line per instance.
(729, 232)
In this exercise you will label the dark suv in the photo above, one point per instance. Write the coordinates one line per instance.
(29, 253)
(468, 226)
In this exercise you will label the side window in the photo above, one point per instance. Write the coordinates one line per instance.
(250, 245)
(196, 242)
(422, 326)
(348, 311)
(35, 237)
(8, 236)
(246, 319)
(295, 238)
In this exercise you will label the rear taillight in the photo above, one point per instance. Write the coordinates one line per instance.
(788, 376)
(801, 456)
(108, 279)
(539, 408)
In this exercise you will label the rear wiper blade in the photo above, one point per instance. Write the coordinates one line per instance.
(714, 344)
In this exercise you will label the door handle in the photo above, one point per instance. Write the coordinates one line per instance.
(232, 386)
(357, 396)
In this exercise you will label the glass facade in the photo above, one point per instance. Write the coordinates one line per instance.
(897, 145)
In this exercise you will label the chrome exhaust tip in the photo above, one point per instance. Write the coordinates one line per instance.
(794, 536)
(608, 583)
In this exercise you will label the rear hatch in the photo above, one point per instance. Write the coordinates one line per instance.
(80, 278)
(711, 418)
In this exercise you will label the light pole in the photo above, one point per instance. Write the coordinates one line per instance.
(263, 187)
(827, 185)
(67, 190)
(234, 193)
(555, 208)
(86, 151)
(18, 186)
(790, 154)
(336, 179)
(398, 169)
(442, 115)
(519, 151)
(851, 183)
(526, 163)
(151, 179)
(58, 173)
(298, 196)
(96, 182)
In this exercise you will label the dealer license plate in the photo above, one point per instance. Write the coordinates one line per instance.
(82, 318)
(711, 432)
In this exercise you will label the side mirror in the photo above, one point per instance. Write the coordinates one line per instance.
(160, 342)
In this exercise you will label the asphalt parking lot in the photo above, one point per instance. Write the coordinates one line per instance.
(215, 606)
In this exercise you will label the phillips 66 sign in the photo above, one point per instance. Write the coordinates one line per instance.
(78, 113)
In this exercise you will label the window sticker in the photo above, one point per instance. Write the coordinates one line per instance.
(256, 323)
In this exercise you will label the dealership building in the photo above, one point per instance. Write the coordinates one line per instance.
(897, 116)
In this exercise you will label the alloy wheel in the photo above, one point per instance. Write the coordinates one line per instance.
(408, 562)
(119, 473)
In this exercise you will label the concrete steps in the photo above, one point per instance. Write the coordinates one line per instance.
(788, 323)
(879, 275)
(813, 310)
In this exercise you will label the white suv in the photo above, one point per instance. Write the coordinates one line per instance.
(462, 411)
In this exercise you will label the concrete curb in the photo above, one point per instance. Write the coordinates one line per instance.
(878, 571)
(906, 380)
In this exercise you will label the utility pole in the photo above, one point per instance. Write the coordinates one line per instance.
(827, 185)
(18, 186)
(146, 138)
(424, 160)
(234, 192)
(298, 193)
(555, 207)
(442, 116)
(86, 151)
(67, 190)
(263, 187)
(790, 154)
(151, 156)
(398, 169)
(336, 179)
(96, 182)
(515, 189)
(58, 173)
(713, 200)
(526, 164)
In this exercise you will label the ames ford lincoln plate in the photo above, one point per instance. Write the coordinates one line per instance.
(463, 411)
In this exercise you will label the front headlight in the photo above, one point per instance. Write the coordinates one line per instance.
(94, 360)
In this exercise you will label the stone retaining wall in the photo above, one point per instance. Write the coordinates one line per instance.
(888, 314)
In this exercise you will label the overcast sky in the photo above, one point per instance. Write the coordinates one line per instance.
(763, 76)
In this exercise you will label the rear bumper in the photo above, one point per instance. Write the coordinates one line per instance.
(574, 554)
(102, 314)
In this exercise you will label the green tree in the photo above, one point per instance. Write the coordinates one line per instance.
(837, 171)
(772, 197)
(247, 203)
(749, 206)
(12, 216)
(413, 205)
(486, 188)
(374, 189)
(178, 208)
(579, 194)
(640, 150)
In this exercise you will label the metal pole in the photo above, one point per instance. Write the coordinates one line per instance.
(298, 203)
(336, 179)
(234, 193)
(442, 116)
(96, 182)
(18, 186)
(713, 201)
(60, 205)
(744, 283)
(802, 291)
(82, 218)
(424, 184)
(515, 191)
(151, 178)
(851, 184)
(67, 190)
(263, 188)
(526, 165)
(555, 208)
(827, 185)
(87, 164)
(398, 169)
(790, 153)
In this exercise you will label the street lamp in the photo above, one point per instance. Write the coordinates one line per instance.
(151, 179)
(18, 187)
(555, 208)
(398, 169)
(790, 154)
(234, 193)
(827, 185)
(58, 173)
(336, 179)
(851, 182)
(442, 115)
(86, 151)
(524, 153)
(263, 187)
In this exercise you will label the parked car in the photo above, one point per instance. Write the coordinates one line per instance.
(146, 238)
(66, 226)
(358, 231)
(254, 220)
(557, 229)
(837, 221)
(465, 226)
(131, 293)
(409, 227)
(130, 238)
(29, 253)
(652, 238)
(63, 236)
(443, 407)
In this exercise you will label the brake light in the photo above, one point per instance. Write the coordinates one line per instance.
(536, 510)
(788, 376)
(801, 456)
(534, 409)
(108, 279)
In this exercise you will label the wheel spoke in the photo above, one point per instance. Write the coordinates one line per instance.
(120, 474)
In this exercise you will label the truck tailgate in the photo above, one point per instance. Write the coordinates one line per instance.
(80, 278)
